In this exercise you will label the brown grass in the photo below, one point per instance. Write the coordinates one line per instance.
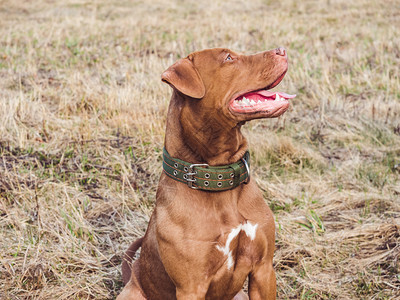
(82, 115)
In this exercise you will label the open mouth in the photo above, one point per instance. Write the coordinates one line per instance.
(265, 102)
(261, 101)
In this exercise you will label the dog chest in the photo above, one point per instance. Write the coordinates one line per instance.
(238, 242)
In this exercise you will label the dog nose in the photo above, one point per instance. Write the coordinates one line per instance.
(280, 51)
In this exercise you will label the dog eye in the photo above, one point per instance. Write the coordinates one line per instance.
(229, 57)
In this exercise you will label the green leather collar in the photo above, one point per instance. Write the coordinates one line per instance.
(205, 177)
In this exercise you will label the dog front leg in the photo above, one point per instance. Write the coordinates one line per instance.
(131, 292)
(262, 282)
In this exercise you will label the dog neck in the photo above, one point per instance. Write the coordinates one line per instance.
(207, 137)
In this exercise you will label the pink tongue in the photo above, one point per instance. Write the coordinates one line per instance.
(270, 94)
(262, 94)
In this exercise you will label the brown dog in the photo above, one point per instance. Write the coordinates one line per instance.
(202, 242)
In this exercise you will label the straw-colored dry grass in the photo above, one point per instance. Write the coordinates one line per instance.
(82, 115)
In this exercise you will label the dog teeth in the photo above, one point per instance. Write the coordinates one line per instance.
(278, 98)
(239, 103)
(252, 102)
(246, 101)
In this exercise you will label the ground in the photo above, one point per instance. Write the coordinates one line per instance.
(82, 118)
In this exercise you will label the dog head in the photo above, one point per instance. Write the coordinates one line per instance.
(231, 86)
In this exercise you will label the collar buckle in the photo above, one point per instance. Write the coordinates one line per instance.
(189, 176)
(247, 169)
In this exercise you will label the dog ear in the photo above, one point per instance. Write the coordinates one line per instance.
(184, 77)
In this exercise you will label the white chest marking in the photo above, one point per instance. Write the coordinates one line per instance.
(248, 228)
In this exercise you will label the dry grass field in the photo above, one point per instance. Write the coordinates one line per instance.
(82, 116)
